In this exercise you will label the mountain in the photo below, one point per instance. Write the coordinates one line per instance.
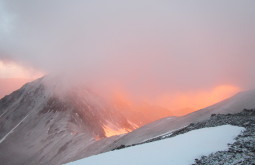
(42, 124)
(242, 100)
(46, 122)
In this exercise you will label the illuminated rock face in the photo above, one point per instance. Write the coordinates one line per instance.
(40, 125)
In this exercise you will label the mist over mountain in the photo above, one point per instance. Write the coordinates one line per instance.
(148, 48)
(53, 127)
(235, 104)
(56, 126)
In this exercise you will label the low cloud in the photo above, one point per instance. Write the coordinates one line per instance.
(146, 47)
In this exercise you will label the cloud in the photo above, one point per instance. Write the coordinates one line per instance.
(145, 46)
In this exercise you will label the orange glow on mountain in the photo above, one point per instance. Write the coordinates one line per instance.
(174, 104)
(139, 109)
(139, 112)
(113, 132)
(184, 103)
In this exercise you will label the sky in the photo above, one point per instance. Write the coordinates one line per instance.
(170, 53)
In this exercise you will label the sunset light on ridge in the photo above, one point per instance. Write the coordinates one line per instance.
(172, 104)
(113, 132)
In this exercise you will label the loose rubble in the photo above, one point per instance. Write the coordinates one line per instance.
(242, 152)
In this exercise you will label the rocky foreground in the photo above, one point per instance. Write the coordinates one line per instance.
(242, 152)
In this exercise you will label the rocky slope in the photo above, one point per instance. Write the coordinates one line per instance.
(241, 152)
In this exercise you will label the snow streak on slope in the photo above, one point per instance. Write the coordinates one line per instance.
(182, 149)
(13, 128)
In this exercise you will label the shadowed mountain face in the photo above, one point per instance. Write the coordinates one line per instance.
(39, 125)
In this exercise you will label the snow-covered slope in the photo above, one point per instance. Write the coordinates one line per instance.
(179, 150)
(40, 124)
(243, 100)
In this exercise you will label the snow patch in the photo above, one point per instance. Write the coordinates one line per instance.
(179, 150)
(12, 130)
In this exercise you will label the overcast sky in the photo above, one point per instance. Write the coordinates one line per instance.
(147, 47)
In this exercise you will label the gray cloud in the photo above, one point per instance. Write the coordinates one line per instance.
(147, 46)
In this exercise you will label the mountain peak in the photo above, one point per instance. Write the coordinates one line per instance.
(43, 120)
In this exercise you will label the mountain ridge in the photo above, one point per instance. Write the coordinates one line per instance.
(53, 129)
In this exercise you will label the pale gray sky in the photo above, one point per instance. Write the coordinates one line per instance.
(146, 46)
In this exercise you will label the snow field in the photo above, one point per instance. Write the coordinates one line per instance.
(179, 150)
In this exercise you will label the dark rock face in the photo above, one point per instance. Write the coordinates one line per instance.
(38, 126)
